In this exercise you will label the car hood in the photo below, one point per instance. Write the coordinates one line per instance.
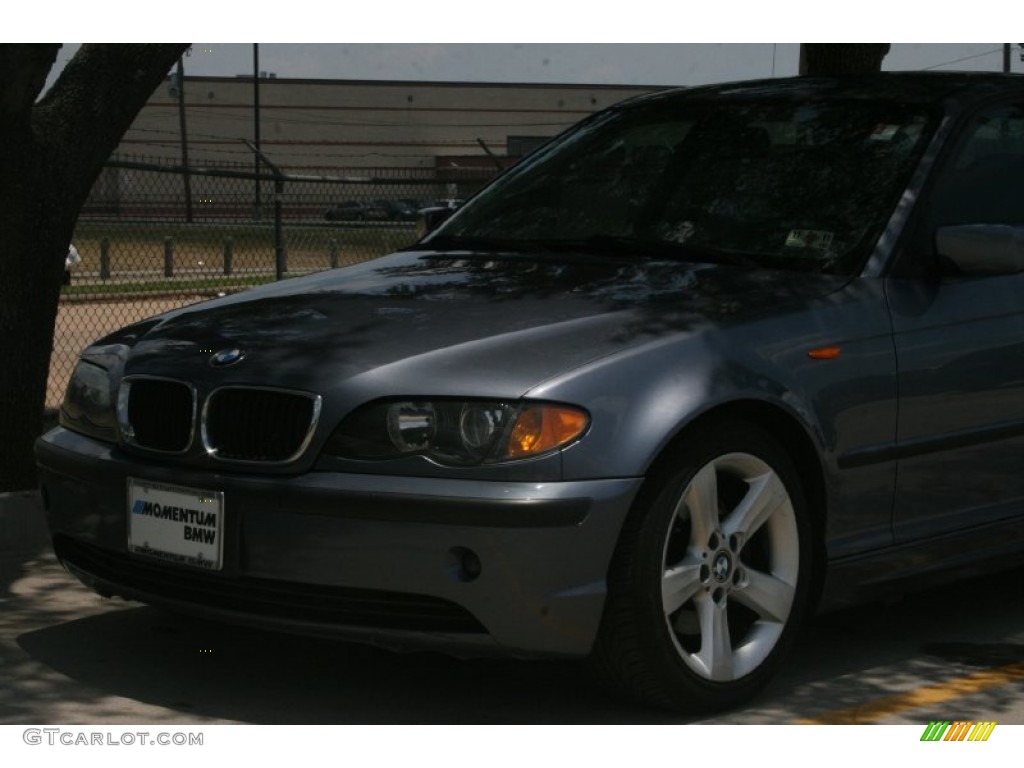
(468, 324)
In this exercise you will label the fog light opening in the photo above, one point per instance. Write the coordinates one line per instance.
(467, 563)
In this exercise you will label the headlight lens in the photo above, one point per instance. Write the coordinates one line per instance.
(412, 426)
(456, 432)
(89, 402)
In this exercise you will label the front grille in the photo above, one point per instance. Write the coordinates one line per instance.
(263, 425)
(159, 414)
(337, 606)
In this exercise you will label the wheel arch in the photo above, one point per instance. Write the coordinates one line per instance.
(792, 435)
(628, 654)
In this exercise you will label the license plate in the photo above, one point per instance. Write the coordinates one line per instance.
(176, 524)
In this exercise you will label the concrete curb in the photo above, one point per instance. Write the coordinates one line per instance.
(22, 522)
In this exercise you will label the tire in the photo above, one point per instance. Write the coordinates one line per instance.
(710, 577)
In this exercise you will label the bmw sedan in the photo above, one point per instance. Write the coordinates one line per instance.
(709, 361)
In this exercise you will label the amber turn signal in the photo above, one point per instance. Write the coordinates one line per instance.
(824, 353)
(543, 428)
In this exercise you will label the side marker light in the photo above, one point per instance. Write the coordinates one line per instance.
(824, 353)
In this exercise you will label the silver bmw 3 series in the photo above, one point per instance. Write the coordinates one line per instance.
(709, 361)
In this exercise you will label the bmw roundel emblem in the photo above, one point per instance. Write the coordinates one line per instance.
(226, 357)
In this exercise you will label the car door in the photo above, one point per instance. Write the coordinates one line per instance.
(959, 338)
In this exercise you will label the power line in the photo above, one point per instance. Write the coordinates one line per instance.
(965, 58)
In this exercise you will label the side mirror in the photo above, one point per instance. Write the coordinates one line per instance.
(982, 249)
(431, 218)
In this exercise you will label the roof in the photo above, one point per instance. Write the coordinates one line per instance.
(916, 87)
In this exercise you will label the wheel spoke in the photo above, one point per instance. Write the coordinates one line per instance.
(765, 495)
(770, 597)
(679, 585)
(701, 498)
(715, 643)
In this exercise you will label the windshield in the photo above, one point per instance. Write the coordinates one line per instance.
(783, 184)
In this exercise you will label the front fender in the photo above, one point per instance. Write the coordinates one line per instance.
(644, 398)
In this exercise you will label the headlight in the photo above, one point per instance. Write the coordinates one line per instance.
(89, 402)
(456, 432)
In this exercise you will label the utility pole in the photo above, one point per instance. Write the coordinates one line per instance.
(184, 141)
(258, 212)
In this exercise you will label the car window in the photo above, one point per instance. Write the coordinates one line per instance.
(981, 183)
(780, 184)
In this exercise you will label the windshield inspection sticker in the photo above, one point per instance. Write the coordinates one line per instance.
(884, 132)
(681, 232)
(810, 238)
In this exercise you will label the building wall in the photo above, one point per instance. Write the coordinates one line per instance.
(324, 125)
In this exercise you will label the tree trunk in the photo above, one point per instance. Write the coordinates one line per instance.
(27, 319)
(832, 59)
(36, 231)
(50, 154)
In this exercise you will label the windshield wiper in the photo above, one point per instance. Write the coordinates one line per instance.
(648, 249)
(618, 247)
(471, 243)
(533, 249)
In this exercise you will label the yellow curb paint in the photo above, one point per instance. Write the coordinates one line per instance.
(929, 695)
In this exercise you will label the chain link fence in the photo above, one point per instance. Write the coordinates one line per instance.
(155, 237)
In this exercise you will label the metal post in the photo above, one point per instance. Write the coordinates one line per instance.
(229, 247)
(258, 204)
(280, 261)
(1006, 57)
(334, 253)
(105, 259)
(184, 141)
(168, 257)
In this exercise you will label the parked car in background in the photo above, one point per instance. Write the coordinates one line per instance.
(398, 210)
(450, 203)
(71, 262)
(432, 212)
(353, 210)
(710, 361)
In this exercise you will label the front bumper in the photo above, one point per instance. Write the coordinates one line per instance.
(368, 557)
